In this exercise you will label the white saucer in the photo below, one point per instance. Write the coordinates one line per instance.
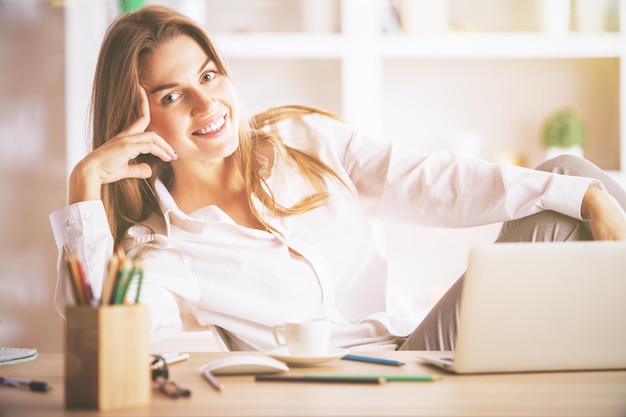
(282, 354)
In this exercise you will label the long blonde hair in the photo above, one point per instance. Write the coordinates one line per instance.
(115, 104)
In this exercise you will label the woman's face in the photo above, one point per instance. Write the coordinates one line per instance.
(193, 106)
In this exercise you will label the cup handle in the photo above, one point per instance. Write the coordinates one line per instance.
(279, 334)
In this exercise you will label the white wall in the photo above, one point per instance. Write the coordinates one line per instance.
(32, 166)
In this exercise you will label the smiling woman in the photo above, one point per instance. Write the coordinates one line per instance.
(246, 222)
(190, 98)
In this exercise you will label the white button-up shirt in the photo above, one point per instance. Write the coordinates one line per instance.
(327, 261)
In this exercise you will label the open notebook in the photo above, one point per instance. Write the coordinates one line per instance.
(541, 307)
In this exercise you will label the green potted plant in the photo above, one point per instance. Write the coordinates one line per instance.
(131, 5)
(564, 133)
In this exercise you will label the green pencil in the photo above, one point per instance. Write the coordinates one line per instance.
(125, 274)
(320, 378)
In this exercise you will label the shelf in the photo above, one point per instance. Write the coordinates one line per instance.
(282, 45)
(512, 45)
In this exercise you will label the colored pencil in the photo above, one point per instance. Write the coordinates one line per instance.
(371, 359)
(400, 377)
(121, 271)
(123, 279)
(139, 282)
(109, 283)
(76, 277)
(347, 379)
(76, 291)
(215, 383)
(84, 282)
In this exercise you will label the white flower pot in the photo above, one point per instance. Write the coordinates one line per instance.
(592, 15)
(554, 16)
(319, 16)
(555, 151)
(424, 16)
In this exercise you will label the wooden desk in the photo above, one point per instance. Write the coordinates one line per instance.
(594, 394)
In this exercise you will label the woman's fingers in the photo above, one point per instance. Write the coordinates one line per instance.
(136, 132)
(141, 123)
(144, 108)
(113, 158)
(147, 143)
(141, 170)
(139, 141)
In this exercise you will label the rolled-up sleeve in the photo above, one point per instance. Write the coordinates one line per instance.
(84, 228)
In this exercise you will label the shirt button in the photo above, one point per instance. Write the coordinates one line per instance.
(71, 222)
(87, 216)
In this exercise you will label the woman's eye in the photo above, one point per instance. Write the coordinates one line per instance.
(208, 76)
(170, 98)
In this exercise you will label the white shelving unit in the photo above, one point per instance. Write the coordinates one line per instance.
(362, 53)
(517, 45)
(369, 75)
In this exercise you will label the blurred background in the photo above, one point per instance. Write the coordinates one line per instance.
(480, 77)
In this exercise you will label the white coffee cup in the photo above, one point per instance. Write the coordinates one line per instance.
(304, 337)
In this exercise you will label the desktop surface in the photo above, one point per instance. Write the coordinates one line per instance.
(589, 393)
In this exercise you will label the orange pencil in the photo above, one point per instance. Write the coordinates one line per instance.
(84, 283)
(67, 257)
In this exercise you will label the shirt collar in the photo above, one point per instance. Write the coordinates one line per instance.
(174, 216)
(166, 201)
(167, 204)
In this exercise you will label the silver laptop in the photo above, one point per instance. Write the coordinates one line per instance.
(529, 307)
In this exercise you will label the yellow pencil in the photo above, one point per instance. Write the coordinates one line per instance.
(73, 282)
(109, 282)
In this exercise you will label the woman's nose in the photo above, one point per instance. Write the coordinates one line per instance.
(202, 103)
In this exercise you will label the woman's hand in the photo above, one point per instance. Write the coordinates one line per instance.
(608, 220)
(110, 162)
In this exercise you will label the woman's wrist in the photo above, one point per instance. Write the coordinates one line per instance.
(591, 200)
(83, 185)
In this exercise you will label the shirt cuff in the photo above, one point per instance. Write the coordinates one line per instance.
(567, 192)
(79, 220)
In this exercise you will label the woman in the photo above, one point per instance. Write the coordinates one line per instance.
(250, 222)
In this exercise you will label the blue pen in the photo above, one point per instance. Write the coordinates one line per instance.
(371, 359)
(38, 386)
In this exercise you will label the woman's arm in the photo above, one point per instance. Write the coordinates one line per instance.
(83, 223)
(110, 162)
(441, 189)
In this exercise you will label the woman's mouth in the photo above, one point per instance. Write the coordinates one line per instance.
(213, 128)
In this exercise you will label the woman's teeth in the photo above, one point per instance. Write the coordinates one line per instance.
(212, 127)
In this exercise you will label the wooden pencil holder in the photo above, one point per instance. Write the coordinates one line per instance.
(107, 358)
